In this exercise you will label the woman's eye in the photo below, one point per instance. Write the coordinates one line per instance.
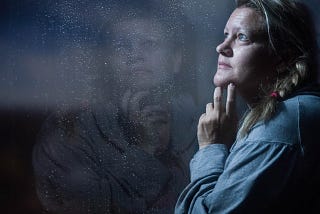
(243, 37)
(226, 35)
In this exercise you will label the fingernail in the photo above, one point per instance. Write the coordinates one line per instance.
(231, 84)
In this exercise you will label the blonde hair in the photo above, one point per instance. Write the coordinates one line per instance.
(291, 37)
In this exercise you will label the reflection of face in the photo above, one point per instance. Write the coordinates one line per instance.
(244, 56)
(142, 56)
(143, 61)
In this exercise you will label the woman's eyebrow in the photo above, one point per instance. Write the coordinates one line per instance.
(235, 29)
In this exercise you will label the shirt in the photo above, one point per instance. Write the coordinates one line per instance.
(274, 169)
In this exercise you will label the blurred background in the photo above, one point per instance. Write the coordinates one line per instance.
(47, 59)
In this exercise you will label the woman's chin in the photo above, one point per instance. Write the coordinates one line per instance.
(220, 82)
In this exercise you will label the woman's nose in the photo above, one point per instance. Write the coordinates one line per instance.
(225, 49)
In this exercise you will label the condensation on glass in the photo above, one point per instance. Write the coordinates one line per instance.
(100, 101)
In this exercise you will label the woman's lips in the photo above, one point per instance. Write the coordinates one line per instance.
(224, 65)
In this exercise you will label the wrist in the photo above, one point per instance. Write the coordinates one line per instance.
(204, 144)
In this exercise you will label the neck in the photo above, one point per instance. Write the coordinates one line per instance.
(251, 99)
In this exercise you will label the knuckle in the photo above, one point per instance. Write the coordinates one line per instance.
(217, 98)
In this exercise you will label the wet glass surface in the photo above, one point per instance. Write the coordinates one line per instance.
(100, 101)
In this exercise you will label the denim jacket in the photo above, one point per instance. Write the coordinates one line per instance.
(274, 169)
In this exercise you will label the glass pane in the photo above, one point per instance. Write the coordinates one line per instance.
(100, 101)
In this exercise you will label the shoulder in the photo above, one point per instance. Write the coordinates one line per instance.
(285, 126)
(309, 119)
(308, 105)
(304, 109)
(64, 123)
(64, 130)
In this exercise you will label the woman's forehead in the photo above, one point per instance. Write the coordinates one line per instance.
(247, 19)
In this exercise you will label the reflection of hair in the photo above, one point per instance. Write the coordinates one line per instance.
(178, 31)
(292, 38)
(123, 10)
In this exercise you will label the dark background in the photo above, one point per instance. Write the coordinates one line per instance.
(44, 58)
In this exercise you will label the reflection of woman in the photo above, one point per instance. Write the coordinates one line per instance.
(268, 58)
(124, 154)
(147, 66)
(143, 60)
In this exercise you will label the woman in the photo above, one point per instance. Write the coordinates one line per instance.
(268, 57)
(124, 153)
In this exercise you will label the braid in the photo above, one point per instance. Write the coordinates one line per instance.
(291, 80)
(290, 31)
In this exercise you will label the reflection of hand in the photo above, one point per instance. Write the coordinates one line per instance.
(149, 121)
(219, 125)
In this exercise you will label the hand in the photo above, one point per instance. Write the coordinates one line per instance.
(149, 121)
(219, 125)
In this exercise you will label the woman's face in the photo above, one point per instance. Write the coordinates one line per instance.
(143, 56)
(244, 56)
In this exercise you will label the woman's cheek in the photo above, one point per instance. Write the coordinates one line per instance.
(222, 78)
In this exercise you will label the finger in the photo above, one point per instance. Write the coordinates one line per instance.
(231, 100)
(209, 108)
(136, 100)
(201, 119)
(217, 101)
